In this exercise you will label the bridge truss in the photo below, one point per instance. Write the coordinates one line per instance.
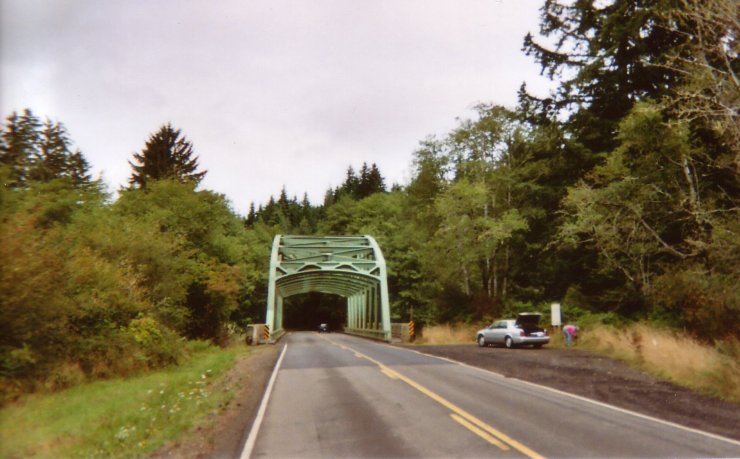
(349, 266)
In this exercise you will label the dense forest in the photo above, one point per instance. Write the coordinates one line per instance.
(617, 196)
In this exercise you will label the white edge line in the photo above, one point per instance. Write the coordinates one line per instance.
(252, 439)
(578, 397)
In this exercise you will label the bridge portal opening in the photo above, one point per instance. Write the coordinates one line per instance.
(306, 311)
(351, 267)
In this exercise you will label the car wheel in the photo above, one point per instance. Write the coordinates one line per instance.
(509, 343)
(481, 341)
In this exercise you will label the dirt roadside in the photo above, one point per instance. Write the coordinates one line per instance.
(605, 380)
(570, 370)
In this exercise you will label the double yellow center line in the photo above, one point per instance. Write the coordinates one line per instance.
(459, 415)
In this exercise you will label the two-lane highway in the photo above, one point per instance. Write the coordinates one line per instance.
(340, 396)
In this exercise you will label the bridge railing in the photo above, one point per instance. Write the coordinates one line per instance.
(373, 333)
(400, 332)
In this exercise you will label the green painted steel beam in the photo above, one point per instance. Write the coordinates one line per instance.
(349, 266)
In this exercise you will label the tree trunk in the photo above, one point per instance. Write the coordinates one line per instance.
(505, 279)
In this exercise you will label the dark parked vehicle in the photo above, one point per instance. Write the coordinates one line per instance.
(524, 330)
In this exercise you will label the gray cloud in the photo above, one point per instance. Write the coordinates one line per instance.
(270, 92)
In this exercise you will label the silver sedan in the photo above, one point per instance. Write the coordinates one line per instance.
(524, 330)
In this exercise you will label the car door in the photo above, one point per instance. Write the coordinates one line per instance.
(499, 332)
(488, 332)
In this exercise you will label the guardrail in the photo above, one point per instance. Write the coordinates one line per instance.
(367, 333)
(261, 334)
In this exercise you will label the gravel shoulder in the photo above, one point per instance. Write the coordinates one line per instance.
(600, 378)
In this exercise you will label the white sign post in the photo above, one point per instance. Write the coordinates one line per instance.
(555, 314)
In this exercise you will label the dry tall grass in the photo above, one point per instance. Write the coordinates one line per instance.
(669, 355)
(663, 353)
(449, 334)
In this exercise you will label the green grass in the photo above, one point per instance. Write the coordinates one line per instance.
(117, 418)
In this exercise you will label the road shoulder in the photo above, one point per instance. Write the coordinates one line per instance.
(602, 379)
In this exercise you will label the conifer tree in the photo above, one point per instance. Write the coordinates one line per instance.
(251, 216)
(167, 155)
(607, 56)
(20, 143)
(376, 182)
(78, 169)
(363, 184)
(54, 158)
(329, 197)
(351, 184)
(36, 151)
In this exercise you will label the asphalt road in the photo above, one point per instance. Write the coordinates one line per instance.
(340, 396)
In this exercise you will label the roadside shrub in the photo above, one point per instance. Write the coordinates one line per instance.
(705, 303)
(142, 345)
(160, 345)
(18, 360)
(63, 376)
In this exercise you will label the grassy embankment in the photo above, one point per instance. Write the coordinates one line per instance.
(121, 417)
(662, 353)
(713, 370)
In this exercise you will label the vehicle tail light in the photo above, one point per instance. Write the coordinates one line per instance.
(521, 333)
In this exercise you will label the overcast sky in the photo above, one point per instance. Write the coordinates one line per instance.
(269, 92)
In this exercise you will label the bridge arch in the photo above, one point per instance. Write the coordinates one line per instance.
(352, 267)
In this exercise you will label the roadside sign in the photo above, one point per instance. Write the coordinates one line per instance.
(555, 314)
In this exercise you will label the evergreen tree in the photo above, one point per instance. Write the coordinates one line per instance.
(369, 182)
(166, 155)
(36, 151)
(20, 144)
(376, 182)
(350, 187)
(329, 197)
(78, 169)
(610, 55)
(363, 185)
(283, 200)
(308, 216)
(49, 161)
(305, 204)
(54, 158)
(251, 216)
(269, 215)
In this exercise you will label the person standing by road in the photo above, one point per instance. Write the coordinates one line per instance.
(569, 331)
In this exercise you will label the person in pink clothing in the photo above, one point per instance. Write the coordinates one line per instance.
(569, 331)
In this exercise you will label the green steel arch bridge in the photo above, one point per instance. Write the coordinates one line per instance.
(352, 267)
